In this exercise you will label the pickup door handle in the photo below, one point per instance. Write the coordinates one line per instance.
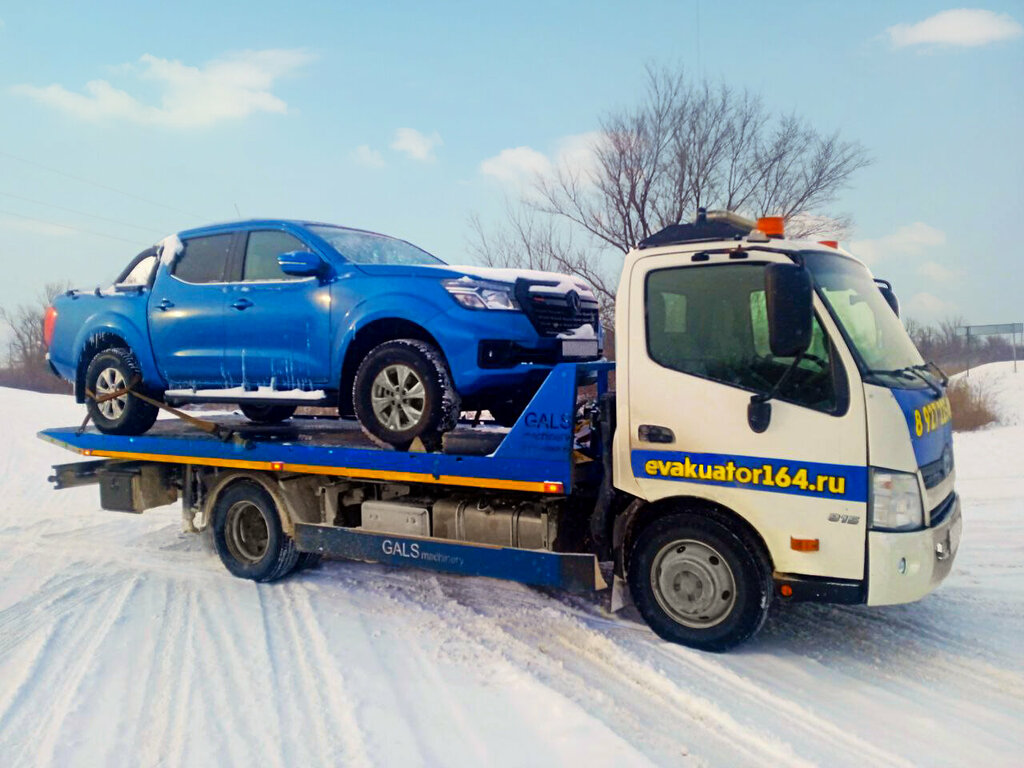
(652, 433)
(164, 305)
(242, 304)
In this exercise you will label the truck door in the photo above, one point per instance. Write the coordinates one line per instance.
(186, 313)
(698, 351)
(277, 326)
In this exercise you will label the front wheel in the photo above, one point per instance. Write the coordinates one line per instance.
(403, 391)
(111, 371)
(248, 535)
(698, 582)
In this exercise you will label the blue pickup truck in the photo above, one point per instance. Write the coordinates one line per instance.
(274, 314)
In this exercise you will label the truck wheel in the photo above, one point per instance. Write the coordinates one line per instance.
(109, 371)
(248, 536)
(403, 391)
(266, 414)
(698, 583)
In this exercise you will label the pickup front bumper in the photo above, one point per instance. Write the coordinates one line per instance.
(904, 567)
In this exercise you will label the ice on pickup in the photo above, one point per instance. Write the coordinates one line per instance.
(274, 314)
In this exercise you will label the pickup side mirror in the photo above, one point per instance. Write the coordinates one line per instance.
(788, 297)
(302, 264)
(885, 287)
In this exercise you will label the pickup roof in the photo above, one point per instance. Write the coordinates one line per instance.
(273, 314)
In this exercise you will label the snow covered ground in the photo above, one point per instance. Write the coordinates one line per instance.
(125, 642)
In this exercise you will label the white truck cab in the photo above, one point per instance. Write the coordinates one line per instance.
(771, 382)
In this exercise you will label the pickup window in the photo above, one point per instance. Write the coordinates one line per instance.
(204, 259)
(713, 322)
(261, 254)
(140, 271)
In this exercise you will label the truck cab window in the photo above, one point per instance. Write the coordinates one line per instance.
(713, 322)
(204, 259)
(261, 252)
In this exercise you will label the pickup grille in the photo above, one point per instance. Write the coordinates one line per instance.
(552, 313)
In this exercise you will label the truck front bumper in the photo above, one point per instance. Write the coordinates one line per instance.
(904, 567)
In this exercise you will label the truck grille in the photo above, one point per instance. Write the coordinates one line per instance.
(551, 313)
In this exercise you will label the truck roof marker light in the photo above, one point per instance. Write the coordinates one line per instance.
(829, 243)
(773, 226)
(803, 545)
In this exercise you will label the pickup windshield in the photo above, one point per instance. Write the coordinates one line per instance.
(368, 248)
(877, 336)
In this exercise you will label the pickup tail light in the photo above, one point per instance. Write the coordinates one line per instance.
(49, 323)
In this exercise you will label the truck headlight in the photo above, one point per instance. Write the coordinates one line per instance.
(895, 501)
(481, 294)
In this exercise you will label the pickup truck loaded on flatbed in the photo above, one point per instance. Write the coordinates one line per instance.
(772, 435)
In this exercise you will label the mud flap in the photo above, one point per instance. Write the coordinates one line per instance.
(620, 594)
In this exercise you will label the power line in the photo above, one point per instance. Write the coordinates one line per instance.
(68, 226)
(97, 184)
(80, 213)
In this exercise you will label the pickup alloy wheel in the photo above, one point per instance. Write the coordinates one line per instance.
(111, 371)
(403, 391)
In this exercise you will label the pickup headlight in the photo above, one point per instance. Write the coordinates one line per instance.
(895, 501)
(481, 294)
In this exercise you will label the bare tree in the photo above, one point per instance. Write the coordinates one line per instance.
(683, 146)
(26, 354)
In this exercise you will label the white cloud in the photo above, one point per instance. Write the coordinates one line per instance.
(522, 167)
(518, 165)
(418, 146)
(965, 27)
(927, 308)
(910, 240)
(367, 156)
(228, 88)
(937, 272)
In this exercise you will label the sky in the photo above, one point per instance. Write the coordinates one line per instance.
(122, 122)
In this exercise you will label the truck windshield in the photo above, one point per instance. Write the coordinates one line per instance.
(871, 327)
(368, 248)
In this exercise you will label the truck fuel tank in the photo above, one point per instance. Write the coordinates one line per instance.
(523, 524)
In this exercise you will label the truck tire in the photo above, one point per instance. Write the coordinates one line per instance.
(697, 582)
(111, 370)
(266, 414)
(402, 391)
(248, 535)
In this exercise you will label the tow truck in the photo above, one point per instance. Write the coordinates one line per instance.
(772, 435)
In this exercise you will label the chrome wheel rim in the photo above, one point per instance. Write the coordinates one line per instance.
(246, 532)
(109, 381)
(693, 583)
(398, 397)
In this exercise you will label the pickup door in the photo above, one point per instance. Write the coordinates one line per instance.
(186, 313)
(277, 326)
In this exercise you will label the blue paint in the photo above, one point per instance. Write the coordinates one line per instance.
(929, 445)
(853, 486)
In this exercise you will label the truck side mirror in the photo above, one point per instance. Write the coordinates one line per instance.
(301, 264)
(788, 297)
(885, 287)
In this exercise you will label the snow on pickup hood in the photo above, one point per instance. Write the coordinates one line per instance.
(561, 283)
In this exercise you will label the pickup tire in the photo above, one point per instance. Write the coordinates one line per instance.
(698, 582)
(248, 535)
(403, 391)
(111, 370)
(266, 414)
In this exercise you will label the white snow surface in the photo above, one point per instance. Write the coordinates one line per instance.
(242, 394)
(170, 247)
(125, 642)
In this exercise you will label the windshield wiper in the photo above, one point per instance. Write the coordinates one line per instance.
(910, 372)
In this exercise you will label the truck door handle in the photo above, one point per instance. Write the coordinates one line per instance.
(164, 305)
(242, 304)
(652, 433)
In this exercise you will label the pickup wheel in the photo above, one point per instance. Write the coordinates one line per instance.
(110, 371)
(248, 535)
(266, 414)
(699, 583)
(403, 391)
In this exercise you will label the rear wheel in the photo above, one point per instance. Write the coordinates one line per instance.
(403, 391)
(110, 371)
(266, 414)
(248, 535)
(698, 582)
